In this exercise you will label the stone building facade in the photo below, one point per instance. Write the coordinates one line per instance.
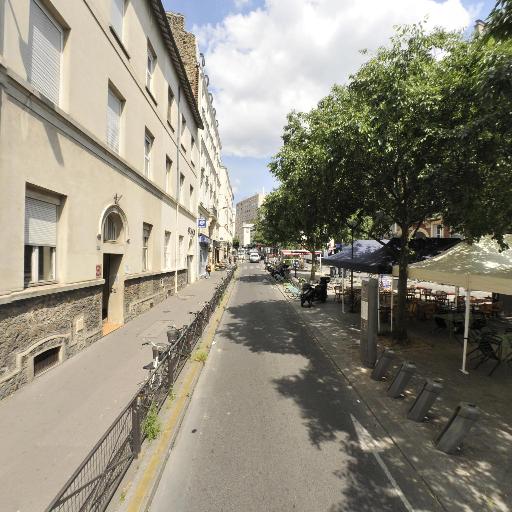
(215, 194)
(246, 215)
(99, 169)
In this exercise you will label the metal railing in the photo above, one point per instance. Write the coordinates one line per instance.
(95, 481)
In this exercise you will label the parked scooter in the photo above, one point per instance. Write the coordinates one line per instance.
(279, 273)
(311, 293)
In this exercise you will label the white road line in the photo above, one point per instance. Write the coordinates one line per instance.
(368, 445)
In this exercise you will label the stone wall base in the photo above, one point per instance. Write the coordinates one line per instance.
(69, 320)
(143, 292)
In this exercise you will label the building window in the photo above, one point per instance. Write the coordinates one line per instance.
(181, 255)
(167, 250)
(192, 150)
(114, 109)
(439, 231)
(112, 227)
(183, 133)
(170, 106)
(46, 51)
(148, 145)
(40, 240)
(191, 198)
(118, 8)
(182, 182)
(146, 232)
(168, 174)
(150, 69)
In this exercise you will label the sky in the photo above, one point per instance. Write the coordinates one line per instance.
(266, 58)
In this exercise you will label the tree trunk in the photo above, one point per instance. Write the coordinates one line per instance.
(400, 332)
(313, 264)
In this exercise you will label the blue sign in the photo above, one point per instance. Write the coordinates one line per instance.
(201, 223)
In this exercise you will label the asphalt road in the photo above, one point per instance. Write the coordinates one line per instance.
(272, 426)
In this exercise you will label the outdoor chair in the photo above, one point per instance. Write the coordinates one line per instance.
(497, 308)
(337, 293)
(488, 349)
(412, 309)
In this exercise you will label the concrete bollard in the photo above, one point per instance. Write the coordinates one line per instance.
(425, 399)
(451, 437)
(383, 364)
(402, 378)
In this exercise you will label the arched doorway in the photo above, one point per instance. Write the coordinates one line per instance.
(113, 236)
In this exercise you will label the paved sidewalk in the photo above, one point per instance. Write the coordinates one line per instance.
(478, 478)
(49, 426)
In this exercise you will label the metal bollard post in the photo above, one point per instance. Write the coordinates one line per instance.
(136, 430)
(451, 437)
(425, 399)
(402, 378)
(383, 364)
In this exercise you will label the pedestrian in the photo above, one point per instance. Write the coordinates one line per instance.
(208, 270)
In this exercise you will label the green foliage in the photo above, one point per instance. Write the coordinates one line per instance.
(499, 22)
(201, 356)
(236, 243)
(151, 426)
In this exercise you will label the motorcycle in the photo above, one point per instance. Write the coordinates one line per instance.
(279, 273)
(311, 293)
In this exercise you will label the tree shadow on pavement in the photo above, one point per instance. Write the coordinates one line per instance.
(326, 403)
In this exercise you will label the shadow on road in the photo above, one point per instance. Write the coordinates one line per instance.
(270, 326)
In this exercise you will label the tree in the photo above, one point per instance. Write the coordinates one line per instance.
(388, 125)
(499, 21)
(477, 143)
(300, 210)
(236, 243)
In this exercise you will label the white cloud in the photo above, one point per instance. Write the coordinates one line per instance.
(287, 55)
(241, 3)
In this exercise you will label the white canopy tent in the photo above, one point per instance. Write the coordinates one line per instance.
(479, 266)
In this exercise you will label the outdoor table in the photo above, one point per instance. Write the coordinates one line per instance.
(450, 319)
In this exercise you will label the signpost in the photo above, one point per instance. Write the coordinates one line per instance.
(369, 312)
(201, 223)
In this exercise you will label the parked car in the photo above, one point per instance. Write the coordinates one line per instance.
(254, 257)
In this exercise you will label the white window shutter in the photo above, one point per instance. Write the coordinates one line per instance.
(46, 54)
(40, 223)
(117, 16)
(113, 121)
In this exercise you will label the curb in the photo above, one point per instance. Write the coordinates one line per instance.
(151, 463)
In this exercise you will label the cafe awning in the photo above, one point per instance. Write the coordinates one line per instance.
(477, 266)
(375, 257)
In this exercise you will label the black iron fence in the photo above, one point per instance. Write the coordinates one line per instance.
(95, 481)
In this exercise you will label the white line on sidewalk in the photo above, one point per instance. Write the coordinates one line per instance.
(368, 445)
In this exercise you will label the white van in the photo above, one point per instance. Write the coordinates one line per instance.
(254, 257)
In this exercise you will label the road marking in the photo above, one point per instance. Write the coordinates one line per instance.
(368, 445)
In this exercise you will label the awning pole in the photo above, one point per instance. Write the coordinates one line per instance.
(343, 290)
(466, 331)
(378, 303)
(392, 299)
